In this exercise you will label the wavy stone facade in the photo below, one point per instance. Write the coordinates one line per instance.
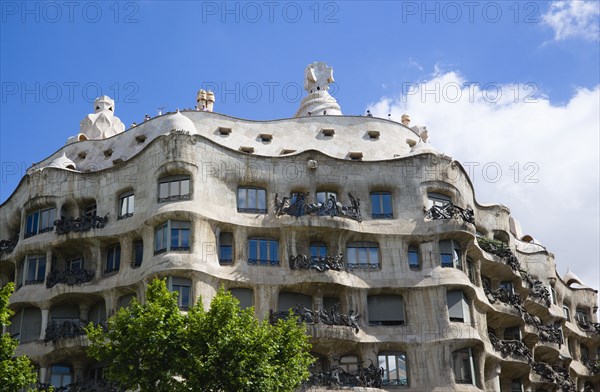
(404, 280)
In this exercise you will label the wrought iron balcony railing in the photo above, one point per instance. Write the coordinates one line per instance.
(510, 347)
(317, 263)
(504, 296)
(555, 374)
(174, 198)
(369, 377)
(7, 246)
(272, 263)
(69, 277)
(501, 250)
(588, 326)
(64, 330)
(450, 211)
(296, 205)
(80, 224)
(327, 317)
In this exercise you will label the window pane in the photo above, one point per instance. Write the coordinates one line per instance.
(362, 256)
(185, 296)
(382, 359)
(31, 269)
(185, 238)
(413, 257)
(174, 238)
(252, 249)
(138, 253)
(376, 203)
(123, 206)
(262, 199)
(45, 215)
(185, 187)
(373, 255)
(321, 197)
(386, 203)
(174, 188)
(273, 250)
(163, 190)
(242, 198)
(117, 263)
(352, 259)
(263, 249)
(41, 269)
(393, 370)
(131, 204)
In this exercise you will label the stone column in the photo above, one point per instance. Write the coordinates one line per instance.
(83, 311)
(43, 374)
(78, 371)
(45, 314)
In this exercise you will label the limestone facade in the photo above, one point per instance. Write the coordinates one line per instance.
(381, 247)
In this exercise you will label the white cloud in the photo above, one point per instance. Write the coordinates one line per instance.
(574, 19)
(548, 156)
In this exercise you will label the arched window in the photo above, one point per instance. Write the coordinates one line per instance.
(172, 236)
(437, 199)
(386, 309)
(245, 296)
(414, 259)
(363, 255)
(40, 221)
(288, 300)
(32, 270)
(463, 366)
(263, 251)
(450, 254)
(113, 259)
(458, 306)
(394, 367)
(126, 205)
(173, 188)
(252, 199)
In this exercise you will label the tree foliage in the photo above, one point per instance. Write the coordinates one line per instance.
(157, 348)
(15, 372)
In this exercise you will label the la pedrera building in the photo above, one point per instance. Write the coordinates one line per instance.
(371, 235)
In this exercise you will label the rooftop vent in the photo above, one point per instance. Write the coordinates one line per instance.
(286, 152)
(328, 132)
(224, 131)
(140, 138)
(247, 150)
(108, 153)
(265, 137)
(355, 156)
(81, 155)
(117, 161)
(373, 135)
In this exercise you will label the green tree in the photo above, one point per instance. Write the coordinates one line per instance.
(15, 372)
(157, 348)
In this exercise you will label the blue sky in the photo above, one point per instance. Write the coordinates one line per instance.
(54, 60)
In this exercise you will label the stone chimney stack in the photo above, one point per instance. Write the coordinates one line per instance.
(205, 100)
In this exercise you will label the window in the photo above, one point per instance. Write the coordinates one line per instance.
(328, 132)
(508, 286)
(173, 188)
(126, 205)
(512, 333)
(61, 375)
(385, 309)
(33, 270)
(289, 300)
(40, 221)
(330, 303)
(182, 286)
(76, 264)
(252, 200)
(245, 296)
(516, 386)
(138, 253)
(381, 205)
(323, 197)
(585, 353)
(113, 258)
(225, 248)
(363, 255)
(437, 199)
(125, 300)
(172, 236)
(349, 363)
(566, 312)
(355, 156)
(471, 270)
(26, 325)
(394, 368)
(318, 249)
(263, 251)
(486, 283)
(90, 211)
(373, 135)
(97, 313)
(581, 316)
(450, 254)
(414, 261)
(458, 306)
(65, 312)
(462, 364)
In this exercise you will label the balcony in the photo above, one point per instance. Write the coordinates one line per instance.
(317, 263)
(80, 224)
(369, 377)
(500, 249)
(69, 277)
(514, 348)
(505, 296)
(56, 331)
(327, 317)
(450, 211)
(555, 374)
(296, 205)
(587, 326)
(81, 385)
(7, 246)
